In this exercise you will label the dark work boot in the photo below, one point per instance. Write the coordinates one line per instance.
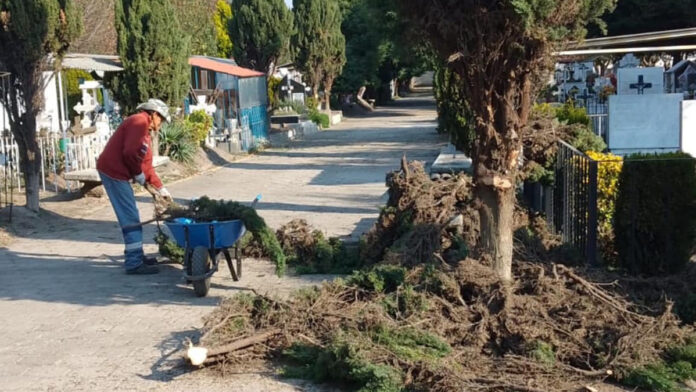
(143, 269)
(150, 260)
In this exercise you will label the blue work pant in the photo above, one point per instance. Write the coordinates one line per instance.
(122, 200)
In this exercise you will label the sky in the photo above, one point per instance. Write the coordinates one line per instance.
(288, 3)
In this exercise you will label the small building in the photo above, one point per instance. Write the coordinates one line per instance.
(240, 95)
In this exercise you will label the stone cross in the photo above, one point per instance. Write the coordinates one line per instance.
(585, 96)
(640, 86)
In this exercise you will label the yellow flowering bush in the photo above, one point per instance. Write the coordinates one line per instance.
(608, 172)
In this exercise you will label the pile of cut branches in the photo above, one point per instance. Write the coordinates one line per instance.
(429, 328)
(421, 316)
(423, 220)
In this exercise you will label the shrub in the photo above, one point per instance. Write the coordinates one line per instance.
(655, 222)
(569, 114)
(608, 172)
(199, 124)
(320, 119)
(176, 142)
(585, 140)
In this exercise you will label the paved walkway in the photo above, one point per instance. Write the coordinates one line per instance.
(71, 320)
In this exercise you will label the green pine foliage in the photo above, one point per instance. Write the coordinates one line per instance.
(154, 51)
(319, 44)
(223, 21)
(655, 218)
(261, 31)
(453, 114)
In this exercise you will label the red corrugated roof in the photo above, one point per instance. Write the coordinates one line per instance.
(223, 67)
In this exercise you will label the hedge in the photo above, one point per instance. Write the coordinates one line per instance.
(655, 218)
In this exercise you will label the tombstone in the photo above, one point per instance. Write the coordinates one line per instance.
(640, 81)
(644, 123)
(672, 76)
(687, 80)
(583, 70)
(629, 61)
(89, 103)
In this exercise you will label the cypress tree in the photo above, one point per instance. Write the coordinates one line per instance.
(223, 20)
(261, 31)
(30, 32)
(154, 51)
(319, 42)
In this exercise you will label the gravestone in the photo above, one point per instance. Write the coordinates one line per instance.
(640, 81)
(629, 61)
(644, 123)
(687, 79)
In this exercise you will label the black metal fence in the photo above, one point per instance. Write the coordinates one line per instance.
(570, 204)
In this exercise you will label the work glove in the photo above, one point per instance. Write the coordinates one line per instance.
(140, 179)
(165, 194)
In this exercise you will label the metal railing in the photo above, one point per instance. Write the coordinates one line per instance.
(570, 204)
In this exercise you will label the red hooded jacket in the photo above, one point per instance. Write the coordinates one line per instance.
(129, 151)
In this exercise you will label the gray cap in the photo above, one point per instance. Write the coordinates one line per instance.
(157, 106)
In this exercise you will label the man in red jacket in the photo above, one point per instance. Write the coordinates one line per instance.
(128, 156)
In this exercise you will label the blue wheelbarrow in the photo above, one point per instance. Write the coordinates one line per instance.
(204, 245)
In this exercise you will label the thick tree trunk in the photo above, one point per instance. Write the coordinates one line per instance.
(496, 210)
(29, 159)
(496, 160)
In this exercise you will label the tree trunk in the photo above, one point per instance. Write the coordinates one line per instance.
(29, 159)
(497, 219)
(496, 159)
(328, 85)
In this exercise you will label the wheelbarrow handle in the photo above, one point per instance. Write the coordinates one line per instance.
(141, 224)
(256, 201)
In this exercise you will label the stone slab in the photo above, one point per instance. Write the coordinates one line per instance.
(451, 161)
(644, 123)
(688, 136)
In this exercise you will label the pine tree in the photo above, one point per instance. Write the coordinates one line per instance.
(319, 42)
(223, 21)
(154, 51)
(261, 31)
(30, 32)
(500, 50)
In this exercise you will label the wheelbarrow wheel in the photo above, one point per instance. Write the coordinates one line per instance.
(200, 265)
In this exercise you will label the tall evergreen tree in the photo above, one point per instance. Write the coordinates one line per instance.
(223, 21)
(30, 32)
(154, 51)
(261, 31)
(500, 50)
(196, 20)
(319, 43)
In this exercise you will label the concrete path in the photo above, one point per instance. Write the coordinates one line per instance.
(71, 320)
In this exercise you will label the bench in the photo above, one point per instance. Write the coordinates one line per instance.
(90, 177)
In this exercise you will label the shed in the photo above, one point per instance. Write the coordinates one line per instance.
(240, 94)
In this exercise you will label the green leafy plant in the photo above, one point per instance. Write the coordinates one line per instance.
(199, 124)
(321, 119)
(569, 114)
(176, 142)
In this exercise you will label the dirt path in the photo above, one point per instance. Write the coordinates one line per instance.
(71, 320)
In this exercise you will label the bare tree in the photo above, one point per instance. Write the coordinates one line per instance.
(99, 33)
